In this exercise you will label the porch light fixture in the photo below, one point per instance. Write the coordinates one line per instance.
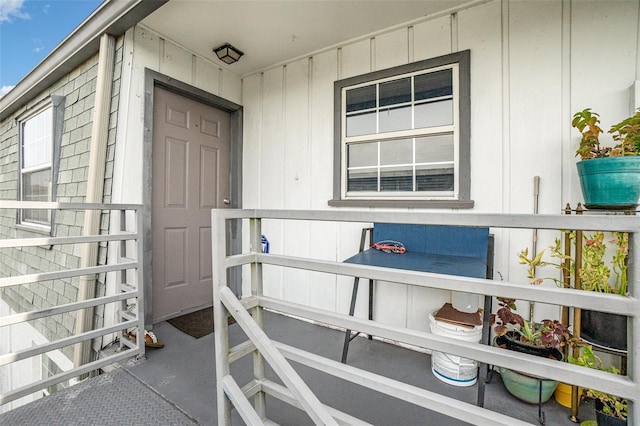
(227, 53)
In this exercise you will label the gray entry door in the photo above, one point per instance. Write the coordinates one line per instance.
(191, 157)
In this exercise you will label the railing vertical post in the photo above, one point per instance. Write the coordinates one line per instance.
(120, 221)
(633, 325)
(255, 227)
(220, 314)
(566, 274)
(139, 278)
(577, 315)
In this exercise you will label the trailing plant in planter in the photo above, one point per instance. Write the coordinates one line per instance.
(606, 404)
(613, 179)
(595, 272)
(599, 275)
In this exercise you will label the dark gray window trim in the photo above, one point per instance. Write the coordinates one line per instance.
(464, 201)
(154, 79)
(57, 105)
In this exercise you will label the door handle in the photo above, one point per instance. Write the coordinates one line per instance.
(226, 201)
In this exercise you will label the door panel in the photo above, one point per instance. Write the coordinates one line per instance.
(174, 266)
(191, 157)
(176, 169)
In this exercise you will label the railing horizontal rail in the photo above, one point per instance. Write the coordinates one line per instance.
(67, 341)
(283, 394)
(66, 273)
(69, 307)
(240, 259)
(590, 222)
(491, 355)
(62, 377)
(415, 395)
(241, 350)
(251, 388)
(554, 295)
(52, 205)
(46, 241)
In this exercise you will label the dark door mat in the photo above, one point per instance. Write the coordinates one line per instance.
(196, 324)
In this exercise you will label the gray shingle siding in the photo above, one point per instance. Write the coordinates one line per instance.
(79, 87)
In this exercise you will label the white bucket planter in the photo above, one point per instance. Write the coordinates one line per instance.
(452, 369)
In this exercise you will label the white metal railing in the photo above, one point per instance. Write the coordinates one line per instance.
(296, 391)
(128, 297)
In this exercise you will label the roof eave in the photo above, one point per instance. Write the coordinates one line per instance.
(112, 17)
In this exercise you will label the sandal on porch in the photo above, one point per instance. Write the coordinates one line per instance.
(150, 339)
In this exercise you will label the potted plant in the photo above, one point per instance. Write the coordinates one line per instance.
(611, 410)
(609, 176)
(543, 338)
(596, 274)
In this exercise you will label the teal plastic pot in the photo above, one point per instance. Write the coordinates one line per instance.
(610, 183)
(527, 388)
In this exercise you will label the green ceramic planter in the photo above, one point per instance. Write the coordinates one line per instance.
(527, 388)
(610, 183)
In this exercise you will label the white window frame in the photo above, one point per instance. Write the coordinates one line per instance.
(456, 198)
(56, 105)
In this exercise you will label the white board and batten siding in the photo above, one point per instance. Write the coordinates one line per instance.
(532, 65)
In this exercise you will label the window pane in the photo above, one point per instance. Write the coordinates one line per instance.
(432, 149)
(396, 179)
(395, 92)
(361, 124)
(361, 98)
(432, 114)
(36, 187)
(433, 85)
(362, 180)
(429, 178)
(396, 152)
(362, 154)
(393, 119)
(401, 135)
(36, 140)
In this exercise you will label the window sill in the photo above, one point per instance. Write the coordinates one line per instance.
(426, 204)
(26, 231)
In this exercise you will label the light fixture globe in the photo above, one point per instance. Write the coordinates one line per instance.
(227, 53)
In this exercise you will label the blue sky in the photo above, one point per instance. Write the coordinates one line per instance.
(30, 29)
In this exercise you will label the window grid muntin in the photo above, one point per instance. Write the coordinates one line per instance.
(379, 168)
(376, 110)
(452, 129)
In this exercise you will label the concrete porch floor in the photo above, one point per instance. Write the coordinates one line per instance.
(175, 385)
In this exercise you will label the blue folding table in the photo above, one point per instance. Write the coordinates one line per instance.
(452, 250)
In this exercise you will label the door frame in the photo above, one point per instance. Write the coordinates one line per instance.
(154, 79)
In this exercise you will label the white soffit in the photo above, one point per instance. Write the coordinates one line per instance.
(271, 32)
